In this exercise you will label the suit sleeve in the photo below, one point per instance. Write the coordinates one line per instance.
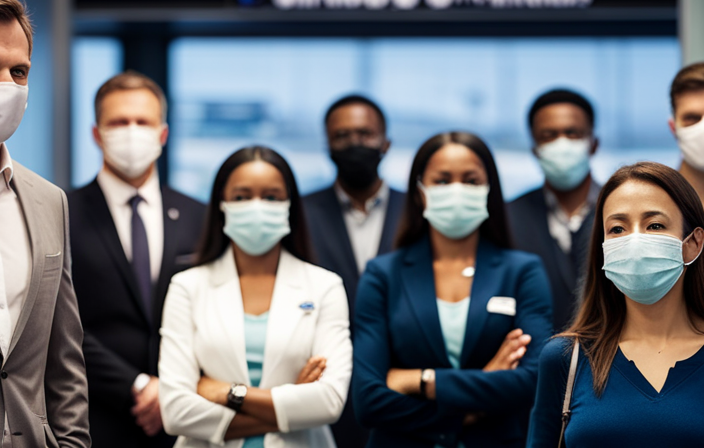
(65, 382)
(303, 406)
(110, 376)
(546, 417)
(473, 390)
(376, 405)
(183, 411)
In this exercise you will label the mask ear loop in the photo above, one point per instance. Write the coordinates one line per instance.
(700, 250)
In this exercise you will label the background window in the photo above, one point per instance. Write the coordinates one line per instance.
(230, 92)
(94, 61)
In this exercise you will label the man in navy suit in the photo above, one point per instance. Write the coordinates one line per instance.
(555, 220)
(355, 219)
(129, 236)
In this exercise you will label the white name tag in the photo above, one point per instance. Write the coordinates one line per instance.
(502, 305)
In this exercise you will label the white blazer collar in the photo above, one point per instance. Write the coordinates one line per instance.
(285, 311)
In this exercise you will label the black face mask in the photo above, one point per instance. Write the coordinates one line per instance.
(356, 165)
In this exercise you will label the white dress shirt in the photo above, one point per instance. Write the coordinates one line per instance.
(364, 227)
(562, 226)
(15, 254)
(118, 194)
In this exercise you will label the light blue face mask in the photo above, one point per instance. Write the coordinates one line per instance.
(644, 266)
(256, 226)
(565, 162)
(455, 210)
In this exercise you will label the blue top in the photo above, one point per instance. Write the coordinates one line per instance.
(630, 412)
(397, 324)
(453, 322)
(255, 341)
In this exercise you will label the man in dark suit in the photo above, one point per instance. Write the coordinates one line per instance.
(129, 236)
(555, 220)
(356, 218)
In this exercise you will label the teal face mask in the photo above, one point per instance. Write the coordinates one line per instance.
(256, 226)
(455, 210)
(565, 162)
(644, 266)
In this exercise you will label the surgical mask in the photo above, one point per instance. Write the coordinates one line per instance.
(565, 162)
(644, 266)
(13, 102)
(357, 165)
(691, 142)
(132, 149)
(256, 226)
(455, 210)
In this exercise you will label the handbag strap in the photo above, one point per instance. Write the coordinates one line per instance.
(568, 392)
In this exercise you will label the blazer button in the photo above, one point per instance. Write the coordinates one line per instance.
(3, 374)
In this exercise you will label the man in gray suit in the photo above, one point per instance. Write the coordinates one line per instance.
(43, 389)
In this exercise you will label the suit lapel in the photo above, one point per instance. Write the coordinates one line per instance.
(339, 238)
(31, 206)
(285, 312)
(229, 312)
(171, 216)
(103, 222)
(419, 286)
(482, 290)
(393, 211)
(563, 261)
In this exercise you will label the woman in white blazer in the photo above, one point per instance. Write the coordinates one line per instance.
(255, 348)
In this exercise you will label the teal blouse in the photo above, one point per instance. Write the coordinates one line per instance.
(255, 341)
(453, 322)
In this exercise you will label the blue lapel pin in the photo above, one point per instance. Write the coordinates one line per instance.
(307, 307)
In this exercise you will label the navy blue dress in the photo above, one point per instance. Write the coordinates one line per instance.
(630, 412)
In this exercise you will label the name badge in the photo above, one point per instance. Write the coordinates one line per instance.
(502, 305)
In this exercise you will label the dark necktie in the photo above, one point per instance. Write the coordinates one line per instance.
(140, 256)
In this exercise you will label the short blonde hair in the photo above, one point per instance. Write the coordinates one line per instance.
(15, 10)
(129, 80)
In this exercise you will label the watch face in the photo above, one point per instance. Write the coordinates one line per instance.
(428, 375)
(239, 391)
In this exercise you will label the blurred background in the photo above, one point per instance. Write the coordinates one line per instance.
(238, 72)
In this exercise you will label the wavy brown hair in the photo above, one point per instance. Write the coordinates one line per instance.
(601, 317)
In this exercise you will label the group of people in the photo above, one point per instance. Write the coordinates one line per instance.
(132, 315)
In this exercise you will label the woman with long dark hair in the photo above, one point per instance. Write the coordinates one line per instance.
(443, 349)
(639, 377)
(248, 333)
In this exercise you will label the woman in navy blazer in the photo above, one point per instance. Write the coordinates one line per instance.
(433, 367)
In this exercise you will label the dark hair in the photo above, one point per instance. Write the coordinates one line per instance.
(414, 226)
(356, 99)
(601, 317)
(214, 242)
(129, 80)
(556, 96)
(16, 10)
(689, 79)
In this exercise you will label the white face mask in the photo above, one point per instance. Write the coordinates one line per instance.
(131, 149)
(565, 162)
(13, 102)
(256, 226)
(455, 210)
(691, 142)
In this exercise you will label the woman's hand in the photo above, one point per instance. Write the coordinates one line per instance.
(510, 352)
(404, 381)
(213, 390)
(312, 371)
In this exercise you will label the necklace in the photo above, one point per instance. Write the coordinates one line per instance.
(468, 272)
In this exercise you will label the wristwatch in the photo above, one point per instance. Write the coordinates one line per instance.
(426, 376)
(235, 398)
